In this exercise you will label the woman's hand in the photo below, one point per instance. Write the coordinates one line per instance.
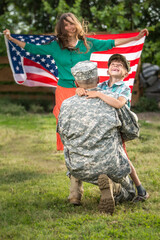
(7, 33)
(142, 33)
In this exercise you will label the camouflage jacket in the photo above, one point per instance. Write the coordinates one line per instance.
(89, 129)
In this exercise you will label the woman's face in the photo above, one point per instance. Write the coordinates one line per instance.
(70, 27)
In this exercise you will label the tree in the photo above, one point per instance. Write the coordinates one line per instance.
(114, 16)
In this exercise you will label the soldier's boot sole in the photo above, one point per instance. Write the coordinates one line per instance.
(107, 203)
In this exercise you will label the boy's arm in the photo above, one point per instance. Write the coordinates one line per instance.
(80, 91)
(113, 102)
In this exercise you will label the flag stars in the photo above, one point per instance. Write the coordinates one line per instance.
(43, 60)
(48, 56)
(28, 54)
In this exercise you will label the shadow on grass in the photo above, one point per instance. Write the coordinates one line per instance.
(17, 176)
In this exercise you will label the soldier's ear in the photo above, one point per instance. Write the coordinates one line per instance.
(76, 84)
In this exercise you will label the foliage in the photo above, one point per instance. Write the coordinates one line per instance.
(144, 104)
(27, 16)
(6, 107)
(22, 105)
(34, 187)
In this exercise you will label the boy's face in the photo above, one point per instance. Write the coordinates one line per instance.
(117, 69)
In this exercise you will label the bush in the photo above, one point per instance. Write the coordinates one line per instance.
(146, 105)
(36, 109)
(11, 108)
(20, 106)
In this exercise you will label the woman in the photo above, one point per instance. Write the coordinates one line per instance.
(70, 47)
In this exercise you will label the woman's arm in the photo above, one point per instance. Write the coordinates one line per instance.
(9, 37)
(121, 41)
(113, 102)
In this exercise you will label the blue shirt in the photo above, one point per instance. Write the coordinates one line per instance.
(118, 87)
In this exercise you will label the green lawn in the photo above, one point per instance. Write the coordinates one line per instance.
(34, 187)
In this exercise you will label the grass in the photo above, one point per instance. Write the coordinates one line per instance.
(34, 187)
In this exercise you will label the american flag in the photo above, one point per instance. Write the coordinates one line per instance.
(29, 69)
(41, 70)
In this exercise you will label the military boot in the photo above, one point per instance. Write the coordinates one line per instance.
(107, 203)
(76, 191)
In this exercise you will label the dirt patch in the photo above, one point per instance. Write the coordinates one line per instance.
(149, 116)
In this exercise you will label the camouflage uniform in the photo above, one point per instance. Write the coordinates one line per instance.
(89, 129)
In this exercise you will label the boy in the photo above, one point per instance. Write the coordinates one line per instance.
(118, 68)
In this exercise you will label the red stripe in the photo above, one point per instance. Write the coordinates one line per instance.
(114, 36)
(131, 87)
(28, 62)
(41, 79)
(131, 49)
(132, 75)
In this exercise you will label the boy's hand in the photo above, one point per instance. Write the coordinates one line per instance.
(80, 92)
(92, 94)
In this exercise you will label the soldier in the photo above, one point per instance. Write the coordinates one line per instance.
(93, 149)
(118, 68)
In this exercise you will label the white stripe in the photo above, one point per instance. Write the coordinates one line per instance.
(31, 83)
(130, 82)
(19, 77)
(39, 71)
(101, 57)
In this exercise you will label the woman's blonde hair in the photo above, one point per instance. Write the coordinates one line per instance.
(61, 33)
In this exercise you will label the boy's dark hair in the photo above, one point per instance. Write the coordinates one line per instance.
(120, 58)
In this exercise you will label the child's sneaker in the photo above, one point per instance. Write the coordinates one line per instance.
(140, 198)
